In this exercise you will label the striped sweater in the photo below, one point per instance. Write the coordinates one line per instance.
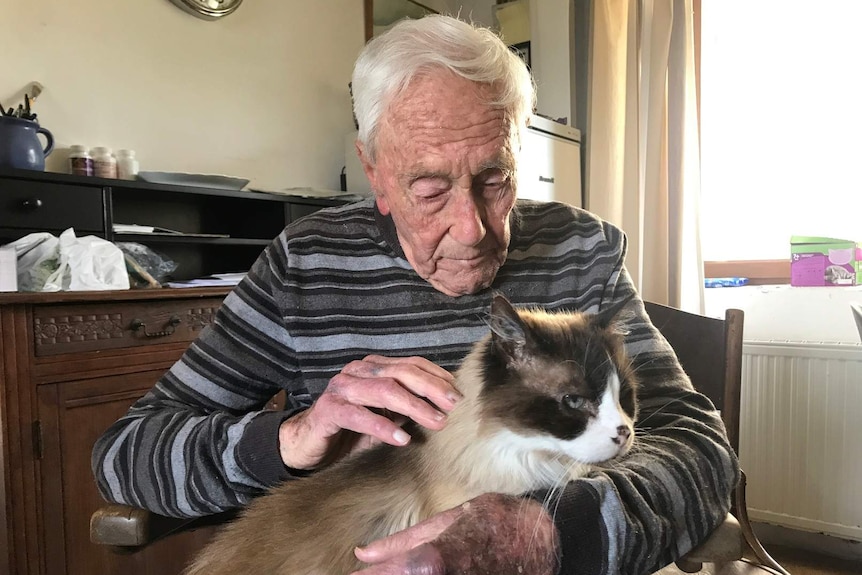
(335, 287)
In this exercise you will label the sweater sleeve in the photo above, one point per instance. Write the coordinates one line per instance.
(200, 441)
(648, 509)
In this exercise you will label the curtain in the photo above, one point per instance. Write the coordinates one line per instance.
(642, 168)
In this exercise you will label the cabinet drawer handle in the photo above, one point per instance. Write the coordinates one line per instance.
(31, 204)
(169, 329)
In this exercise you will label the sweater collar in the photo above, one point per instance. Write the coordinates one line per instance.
(387, 229)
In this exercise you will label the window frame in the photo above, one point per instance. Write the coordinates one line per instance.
(758, 272)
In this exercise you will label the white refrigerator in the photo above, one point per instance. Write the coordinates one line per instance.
(550, 163)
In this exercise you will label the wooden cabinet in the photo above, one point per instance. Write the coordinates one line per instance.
(221, 230)
(71, 364)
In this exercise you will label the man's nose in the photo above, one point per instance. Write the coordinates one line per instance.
(468, 225)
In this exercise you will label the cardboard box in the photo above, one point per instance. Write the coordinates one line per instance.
(818, 261)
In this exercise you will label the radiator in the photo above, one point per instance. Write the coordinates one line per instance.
(801, 435)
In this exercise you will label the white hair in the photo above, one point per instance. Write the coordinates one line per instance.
(391, 60)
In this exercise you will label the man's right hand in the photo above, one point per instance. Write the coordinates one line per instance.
(347, 416)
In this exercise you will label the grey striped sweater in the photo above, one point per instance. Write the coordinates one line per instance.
(334, 287)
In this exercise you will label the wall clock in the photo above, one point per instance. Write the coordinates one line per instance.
(208, 9)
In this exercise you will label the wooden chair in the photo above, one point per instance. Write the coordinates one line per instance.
(710, 351)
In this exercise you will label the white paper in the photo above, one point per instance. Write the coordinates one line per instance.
(214, 280)
(8, 269)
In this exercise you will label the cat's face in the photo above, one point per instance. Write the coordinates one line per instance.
(561, 380)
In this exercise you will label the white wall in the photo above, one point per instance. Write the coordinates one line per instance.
(261, 94)
(477, 11)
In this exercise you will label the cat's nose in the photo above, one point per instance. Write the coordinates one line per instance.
(623, 433)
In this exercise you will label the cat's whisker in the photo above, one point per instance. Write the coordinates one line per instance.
(638, 365)
(631, 362)
(559, 481)
(662, 408)
(555, 491)
(644, 430)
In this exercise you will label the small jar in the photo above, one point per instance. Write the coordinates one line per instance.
(127, 165)
(104, 163)
(80, 161)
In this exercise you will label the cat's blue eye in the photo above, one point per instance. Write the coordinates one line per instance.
(574, 401)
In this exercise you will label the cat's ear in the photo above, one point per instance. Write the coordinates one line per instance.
(509, 333)
(607, 316)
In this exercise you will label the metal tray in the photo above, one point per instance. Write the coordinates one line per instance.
(197, 180)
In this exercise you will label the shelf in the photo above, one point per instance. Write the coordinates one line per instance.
(138, 185)
(222, 230)
(190, 239)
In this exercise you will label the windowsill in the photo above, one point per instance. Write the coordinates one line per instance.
(758, 272)
(790, 313)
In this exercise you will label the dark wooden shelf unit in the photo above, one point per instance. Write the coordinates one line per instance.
(222, 230)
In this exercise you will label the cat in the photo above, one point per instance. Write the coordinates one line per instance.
(545, 396)
(838, 275)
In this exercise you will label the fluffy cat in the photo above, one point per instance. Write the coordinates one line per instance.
(545, 396)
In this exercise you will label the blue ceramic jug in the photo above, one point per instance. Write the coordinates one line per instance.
(19, 145)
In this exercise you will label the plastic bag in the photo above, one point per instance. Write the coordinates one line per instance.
(146, 267)
(89, 263)
(38, 257)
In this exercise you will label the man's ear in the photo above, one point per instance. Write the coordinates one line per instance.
(371, 173)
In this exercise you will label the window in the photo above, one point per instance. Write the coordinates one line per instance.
(781, 125)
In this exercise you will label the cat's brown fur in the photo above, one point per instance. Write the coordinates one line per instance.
(505, 436)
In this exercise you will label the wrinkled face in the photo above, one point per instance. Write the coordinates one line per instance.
(445, 170)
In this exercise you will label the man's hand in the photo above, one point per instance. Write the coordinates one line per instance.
(491, 535)
(322, 433)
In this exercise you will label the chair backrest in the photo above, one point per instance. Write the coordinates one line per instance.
(710, 352)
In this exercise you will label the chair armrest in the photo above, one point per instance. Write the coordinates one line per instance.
(124, 526)
(724, 544)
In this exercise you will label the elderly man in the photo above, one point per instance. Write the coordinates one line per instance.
(365, 309)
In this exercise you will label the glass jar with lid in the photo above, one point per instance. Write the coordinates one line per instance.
(80, 161)
(127, 165)
(104, 163)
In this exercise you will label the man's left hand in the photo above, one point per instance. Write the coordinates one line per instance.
(492, 534)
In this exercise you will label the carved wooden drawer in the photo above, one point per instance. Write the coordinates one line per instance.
(73, 328)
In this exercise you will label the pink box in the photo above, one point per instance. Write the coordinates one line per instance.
(816, 261)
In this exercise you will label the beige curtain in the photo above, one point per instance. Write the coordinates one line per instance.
(642, 152)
